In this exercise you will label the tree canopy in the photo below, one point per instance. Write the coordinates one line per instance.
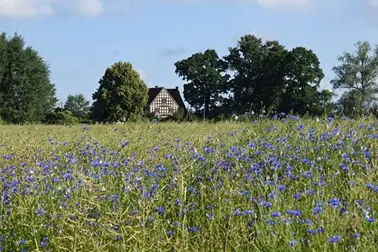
(255, 76)
(26, 93)
(121, 96)
(206, 78)
(78, 105)
(358, 72)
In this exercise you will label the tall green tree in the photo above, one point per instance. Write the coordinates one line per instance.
(206, 79)
(78, 105)
(350, 103)
(26, 93)
(121, 96)
(245, 60)
(301, 83)
(358, 71)
(268, 76)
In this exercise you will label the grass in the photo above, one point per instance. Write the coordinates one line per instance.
(270, 185)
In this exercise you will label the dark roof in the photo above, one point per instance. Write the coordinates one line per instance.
(152, 93)
(174, 92)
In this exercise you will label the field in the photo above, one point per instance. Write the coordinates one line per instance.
(267, 185)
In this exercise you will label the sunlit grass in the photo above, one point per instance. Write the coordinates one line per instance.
(268, 185)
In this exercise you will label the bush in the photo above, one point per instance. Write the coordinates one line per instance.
(61, 117)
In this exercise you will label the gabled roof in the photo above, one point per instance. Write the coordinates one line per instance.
(174, 92)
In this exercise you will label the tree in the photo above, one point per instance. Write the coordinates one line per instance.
(246, 62)
(350, 102)
(26, 93)
(61, 117)
(78, 105)
(206, 79)
(121, 96)
(358, 71)
(303, 75)
(268, 76)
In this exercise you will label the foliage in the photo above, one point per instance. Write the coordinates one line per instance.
(26, 93)
(350, 103)
(61, 117)
(358, 73)
(269, 77)
(179, 115)
(78, 105)
(274, 184)
(301, 83)
(258, 73)
(206, 78)
(121, 96)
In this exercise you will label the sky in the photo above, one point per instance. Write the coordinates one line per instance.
(79, 39)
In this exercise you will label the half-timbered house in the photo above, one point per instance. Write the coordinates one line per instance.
(164, 102)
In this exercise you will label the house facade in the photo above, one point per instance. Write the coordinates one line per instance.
(164, 102)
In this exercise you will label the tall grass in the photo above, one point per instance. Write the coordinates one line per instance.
(269, 185)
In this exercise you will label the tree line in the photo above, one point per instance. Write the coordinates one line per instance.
(254, 76)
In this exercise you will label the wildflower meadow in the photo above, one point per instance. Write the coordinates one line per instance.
(280, 184)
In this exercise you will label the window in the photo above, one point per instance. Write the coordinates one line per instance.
(164, 110)
(170, 110)
(164, 100)
(156, 110)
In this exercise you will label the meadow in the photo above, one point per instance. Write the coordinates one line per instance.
(286, 184)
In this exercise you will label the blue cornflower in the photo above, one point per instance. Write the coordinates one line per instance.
(370, 219)
(45, 242)
(282, 187)
(318, 208)
(293, 243)
(335, 238)
(194, 229)
(210, 215)
(294, 212)
(276, 214)
(41, 211)
(160, 210)
(334, 203)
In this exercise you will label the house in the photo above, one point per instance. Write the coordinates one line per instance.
(164, 102)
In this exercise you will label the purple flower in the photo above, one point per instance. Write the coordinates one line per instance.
(276, 214)
(335, 238)
(334, 203)
(45, 242)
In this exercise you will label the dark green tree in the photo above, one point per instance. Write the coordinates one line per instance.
(300, 92)
(26, 93)
(245, 60)
(78, 105)
(358, 71)
(206, 79)
(61, 117)
(269, 77)
(121, 96)
(350, 103)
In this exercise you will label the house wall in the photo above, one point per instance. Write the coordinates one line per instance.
(164, 104)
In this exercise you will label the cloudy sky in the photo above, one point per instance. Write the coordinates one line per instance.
(80, 38)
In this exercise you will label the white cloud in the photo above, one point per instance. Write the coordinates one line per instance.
(285, 3)
(86, 8)
(373, 3)
(90, 8)
(263, 3)
(25, 8)
(94, 8)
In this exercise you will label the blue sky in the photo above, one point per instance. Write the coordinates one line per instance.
(79, 39)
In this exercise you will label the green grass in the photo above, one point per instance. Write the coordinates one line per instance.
(189, 186)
